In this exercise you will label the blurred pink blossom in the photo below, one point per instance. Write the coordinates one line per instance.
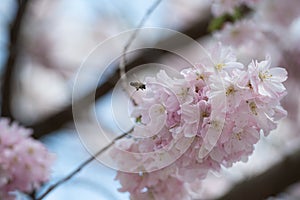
(24, 162)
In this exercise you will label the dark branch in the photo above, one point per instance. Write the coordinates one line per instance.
(12, 57)
(56, 121)
(270, 183)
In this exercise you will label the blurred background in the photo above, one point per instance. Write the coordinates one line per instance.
(56, 37)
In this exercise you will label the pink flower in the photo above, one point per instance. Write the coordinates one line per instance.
(240, 145)
(224, 59)
(265, 80)
(164, 190)
(228, 91)
(241, 33)
(24, 162)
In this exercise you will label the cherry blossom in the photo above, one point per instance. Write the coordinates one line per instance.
(24, 162)
(248, 100)
(265, 80)
(224, 59)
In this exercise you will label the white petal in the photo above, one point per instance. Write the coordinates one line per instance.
(278, 74)
(234, 65)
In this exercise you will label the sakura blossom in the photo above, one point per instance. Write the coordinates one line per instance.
(247, 97)
(266, 80)
(24, 162)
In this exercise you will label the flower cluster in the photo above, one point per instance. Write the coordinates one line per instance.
(24, 162)
(209, 117)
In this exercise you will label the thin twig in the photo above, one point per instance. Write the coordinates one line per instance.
(12, 57)
(32, 195)
(123, 61)
(80, 167)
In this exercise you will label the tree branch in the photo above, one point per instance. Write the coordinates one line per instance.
(12, 56)
(273, 181)
(80, 167)
(57, 120)
(123, 61)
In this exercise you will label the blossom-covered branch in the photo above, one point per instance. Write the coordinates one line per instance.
(210, 117)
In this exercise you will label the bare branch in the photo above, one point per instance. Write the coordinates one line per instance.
(80, 167)
(57, 120)
(273, 181)
(12, 57)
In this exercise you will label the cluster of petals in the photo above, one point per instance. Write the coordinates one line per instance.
(24, 162)
(214, 113)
